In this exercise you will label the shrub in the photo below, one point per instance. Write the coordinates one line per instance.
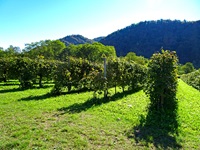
(192, 79)
(162, 80)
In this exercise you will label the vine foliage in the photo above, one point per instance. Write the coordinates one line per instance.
(162, 80)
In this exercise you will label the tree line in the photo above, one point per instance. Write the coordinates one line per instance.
(77, 66)
(57, 50)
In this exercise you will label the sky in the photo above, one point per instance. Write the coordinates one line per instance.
(27, 21)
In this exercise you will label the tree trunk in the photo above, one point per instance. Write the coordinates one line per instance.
(40, 81)
(4, 76)
(4, 79)
(161, 101)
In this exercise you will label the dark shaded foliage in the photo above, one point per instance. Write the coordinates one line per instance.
(192, 79)
(146, 38)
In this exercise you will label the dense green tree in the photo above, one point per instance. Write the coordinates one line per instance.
(186, 68)
(72, 74)
(4, 67)
(131, 56)
(26, 70)
(35, 49)
(11, 51)
(92, 52)
(56, 46)
(48, 49)
(61, 78)
(67, 52)
(1, 52)
(45, 69)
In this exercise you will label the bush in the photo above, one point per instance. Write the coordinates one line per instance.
(26, 70)
(72, 74)
(192, 79)
(123, 73)
(162, 80)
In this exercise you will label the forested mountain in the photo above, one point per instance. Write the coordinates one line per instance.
(75, 39)
(97, 39)
(148, 37)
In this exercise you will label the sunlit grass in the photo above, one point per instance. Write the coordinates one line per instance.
(33, 119)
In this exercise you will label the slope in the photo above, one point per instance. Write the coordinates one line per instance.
(148, 37)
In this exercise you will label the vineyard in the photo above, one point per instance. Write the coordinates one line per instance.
(74, 74)
(143, 97)
(34, 119)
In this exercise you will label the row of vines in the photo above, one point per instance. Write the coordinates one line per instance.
(81, 74)
(192, 79)
(27, 71)
(74, 74)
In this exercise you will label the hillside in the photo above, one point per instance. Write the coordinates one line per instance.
(148, 37)
(75, 39)
(97, 39)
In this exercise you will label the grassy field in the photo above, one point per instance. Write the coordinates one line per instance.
(33, 119)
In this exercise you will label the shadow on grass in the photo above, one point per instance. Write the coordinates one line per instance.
(21, 89)
(159, 128)
(48, 95)
(79, 107)
(36, 98)
(10, 90)
(75, 91)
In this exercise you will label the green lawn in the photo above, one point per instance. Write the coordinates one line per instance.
(33, 119)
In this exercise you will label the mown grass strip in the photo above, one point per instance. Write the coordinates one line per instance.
(33, 119)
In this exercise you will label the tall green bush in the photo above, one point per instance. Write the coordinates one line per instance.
(162, 80)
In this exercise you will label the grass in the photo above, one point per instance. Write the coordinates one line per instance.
(33, 119)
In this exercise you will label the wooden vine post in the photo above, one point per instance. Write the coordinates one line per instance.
(105, 79)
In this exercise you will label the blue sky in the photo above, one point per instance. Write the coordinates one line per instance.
(26, 21)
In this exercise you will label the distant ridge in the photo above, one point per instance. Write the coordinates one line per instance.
(75, 39)
(148, 37)
(97, 39)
